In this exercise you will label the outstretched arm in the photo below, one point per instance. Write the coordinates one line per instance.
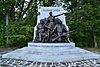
(59, 14)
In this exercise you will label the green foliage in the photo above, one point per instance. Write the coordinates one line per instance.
(86, 23)
(18, 36)
(2, 34)
(20, 30)
(21, 36)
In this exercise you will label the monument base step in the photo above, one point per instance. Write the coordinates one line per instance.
(51, 54)
(67, 45)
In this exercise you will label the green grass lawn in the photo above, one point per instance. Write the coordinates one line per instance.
(8, 48)
(93, 49)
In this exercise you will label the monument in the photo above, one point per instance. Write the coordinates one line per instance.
(51, 41)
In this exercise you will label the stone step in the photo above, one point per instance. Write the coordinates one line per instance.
(56, 56)
(67, 45)
(53, 50)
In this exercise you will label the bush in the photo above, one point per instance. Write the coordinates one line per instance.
(18, 35)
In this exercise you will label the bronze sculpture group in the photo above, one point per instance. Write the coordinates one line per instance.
(51, 30)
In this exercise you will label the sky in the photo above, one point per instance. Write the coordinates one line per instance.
(26, 0)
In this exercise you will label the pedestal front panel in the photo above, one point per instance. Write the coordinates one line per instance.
(67, 45)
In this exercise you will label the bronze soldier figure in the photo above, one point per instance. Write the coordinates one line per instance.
(40, 31)
(51, 30)
(61, 30)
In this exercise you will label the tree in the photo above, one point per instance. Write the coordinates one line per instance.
(14, 10)
(84, 20)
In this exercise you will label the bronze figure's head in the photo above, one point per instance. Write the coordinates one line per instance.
(50, 13)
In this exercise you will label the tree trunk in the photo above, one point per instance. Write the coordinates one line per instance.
(30, 3)
(21, 11)
(7, 29)
(95, 41)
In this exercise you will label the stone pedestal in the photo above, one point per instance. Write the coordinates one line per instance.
(67, 45)
(60, 52)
